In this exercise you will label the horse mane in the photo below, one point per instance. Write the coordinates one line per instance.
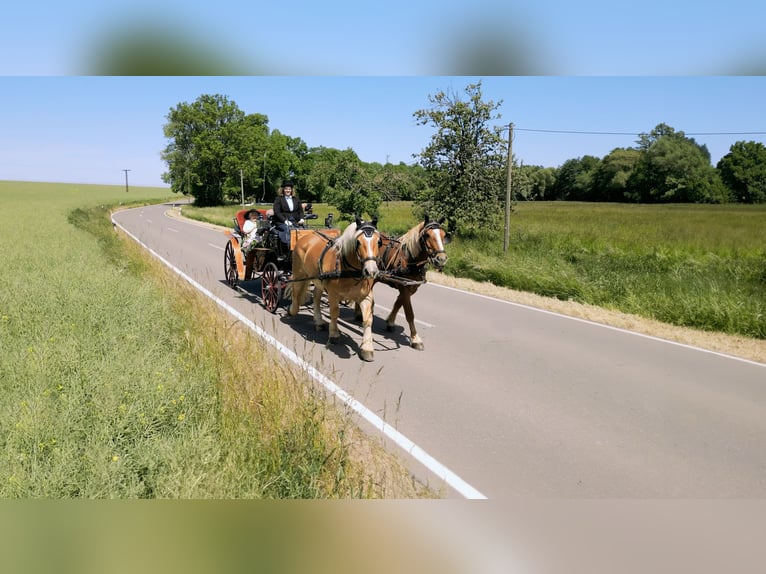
(411, 240)
(346, 244)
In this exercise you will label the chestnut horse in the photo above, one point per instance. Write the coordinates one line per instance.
(345, 267)
(403, 266)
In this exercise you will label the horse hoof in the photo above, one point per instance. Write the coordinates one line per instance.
(333, 340)
(366, 355)
(417, 346)
(390, 328)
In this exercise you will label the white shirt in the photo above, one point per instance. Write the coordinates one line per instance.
(249, 226)
(289, 200)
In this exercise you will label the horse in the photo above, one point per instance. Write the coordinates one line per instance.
(346, 268)
(403, 266)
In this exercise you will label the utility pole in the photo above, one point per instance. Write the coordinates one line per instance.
(126, 179)
(508, 192)
(242, 186)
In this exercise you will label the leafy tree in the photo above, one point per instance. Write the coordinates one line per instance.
(532, 182)
(673, 168)
(243, 163)
(743, 171)
(574, 179)
(610, 181)
(391, 182)
(349, 187)
(464, 162)
(203, 135)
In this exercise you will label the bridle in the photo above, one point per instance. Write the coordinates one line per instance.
(432, 254)
(369, 232)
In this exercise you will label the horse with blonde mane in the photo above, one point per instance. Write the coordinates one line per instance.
(344, 267)
(403, 266)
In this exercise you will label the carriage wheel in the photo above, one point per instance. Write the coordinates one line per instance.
(230, 266)
(271, 287)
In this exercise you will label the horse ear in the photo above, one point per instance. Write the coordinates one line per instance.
(374, 221)
(358, 221)
(442, 219)
(447, 238)
(425, 220)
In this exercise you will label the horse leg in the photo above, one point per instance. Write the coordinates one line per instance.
(415, 341)
(391, 319)
(366, 351)
(333, 300)
(358, 316)
(298, 290)
(319, 322)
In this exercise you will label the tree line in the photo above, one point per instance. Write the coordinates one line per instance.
(218, 154)
(665, 166)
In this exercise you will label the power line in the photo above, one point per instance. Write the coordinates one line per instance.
(638, 133)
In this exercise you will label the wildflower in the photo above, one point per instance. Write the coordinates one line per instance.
(115, 458)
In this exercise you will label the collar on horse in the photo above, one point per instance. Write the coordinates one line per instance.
(350, 271)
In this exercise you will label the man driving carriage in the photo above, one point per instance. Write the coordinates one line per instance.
(288, 212)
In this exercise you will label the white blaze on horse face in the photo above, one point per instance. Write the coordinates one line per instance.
(439, 244)
(371, 265)
(440, 260)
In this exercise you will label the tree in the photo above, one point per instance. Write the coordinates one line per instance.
(574, 179)
(464, 162)
(610, 181)
(203, 156)
(243, 163)
(743, 171)
(350, 187)
(673, 168)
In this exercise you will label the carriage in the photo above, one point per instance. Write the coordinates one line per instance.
(344, 265)
(268, 259)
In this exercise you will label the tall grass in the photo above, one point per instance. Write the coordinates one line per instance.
(699, 266)
(113, 388)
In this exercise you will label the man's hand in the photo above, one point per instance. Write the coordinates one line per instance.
(301, 222)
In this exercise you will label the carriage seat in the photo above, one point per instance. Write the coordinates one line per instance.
(264, 217)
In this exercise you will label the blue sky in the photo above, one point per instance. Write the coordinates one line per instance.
(85, 129)
(398, 37)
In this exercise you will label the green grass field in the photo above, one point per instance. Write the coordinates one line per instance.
(698, 266)
(113, 388)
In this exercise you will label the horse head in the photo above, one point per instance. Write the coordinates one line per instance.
(433, 238)
(368, 244)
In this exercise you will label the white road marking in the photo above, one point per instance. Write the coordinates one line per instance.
(173, 230)
(217, 247)
(452, 479)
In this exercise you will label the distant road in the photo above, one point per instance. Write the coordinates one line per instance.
(516, 401)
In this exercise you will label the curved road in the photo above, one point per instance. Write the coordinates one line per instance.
(515, 401)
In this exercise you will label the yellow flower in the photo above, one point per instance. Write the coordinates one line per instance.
(181, 417)
(115, 458)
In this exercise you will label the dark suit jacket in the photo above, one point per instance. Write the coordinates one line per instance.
(283, 213)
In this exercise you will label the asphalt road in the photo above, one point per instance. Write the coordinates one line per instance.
(514, 401)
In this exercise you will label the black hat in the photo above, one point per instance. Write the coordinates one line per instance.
(287, 183)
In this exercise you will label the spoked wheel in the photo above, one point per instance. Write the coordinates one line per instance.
(271, 287)
(230, 266)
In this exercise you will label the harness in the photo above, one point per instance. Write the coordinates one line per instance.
(413, 267)
(350, 272)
